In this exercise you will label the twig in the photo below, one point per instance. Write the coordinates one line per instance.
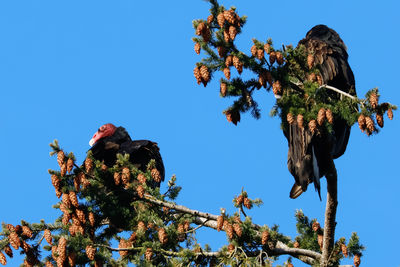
(196, 228)
(330, 214)
(337, 90)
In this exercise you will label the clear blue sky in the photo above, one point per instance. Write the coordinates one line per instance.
(67, 67)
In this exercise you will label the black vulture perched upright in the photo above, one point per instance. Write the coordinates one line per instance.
(309, 154)
(109, 140)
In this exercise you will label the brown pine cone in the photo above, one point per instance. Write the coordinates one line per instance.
(390, 114)
(238, 229)
(81, 215)
(54, 252)
(90, 252)
(320, 241)
(210, 19)
(247, 203)
(260, 54)
(231, 248)
(310, 61)
(197, 48)
(156, 175)
(239, 200)
(117, 178)
(8, 251)
(296, 244)
(221, 51)
(60, 262)
(26, 231)
(140, 191)
(268, 77)
(227, 38)
(15, 242)
(272, 57)
(221, 19)
(223, 89)
(312, 77)
(220, 222)
(316, 226)
(290, 118)
(149, 254)
(264, 237)
(88, 164)
(277, 88)
(300, 120)
(370, 124)
(205, 74)
(186, 226)
(141, 226)
(61, 248)
(232, 32)
(321, 116)
(253, 50)
(132, 238)
(362, 122)
(206, 34)
(319, 80)
(379, 119)
(91, 219)
(200, 28)
(329, 116)
(73, 199)
(126, 176)
(66, 218)
(77, 183)
(60, 158)
(197, 75)
(267, 48)
(232, 116)
(373, 100)
(228, 229)
(229, 61)
(70, 165)
(230, 16)
(279, 58)
(236, 62)
(344, 250)
(66, 201)
(162, 236)
(47, 236)
(227, 73)
(312, 125)
(123, 244)
(357, 260)
(3, 259)
(63, 169)
(141, 178)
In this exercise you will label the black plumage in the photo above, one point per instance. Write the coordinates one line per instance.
(309, 154)
(140, 151)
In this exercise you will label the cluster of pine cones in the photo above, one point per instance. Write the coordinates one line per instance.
(323, 115)
(366, 123)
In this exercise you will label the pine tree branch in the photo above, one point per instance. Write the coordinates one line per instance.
(330, 214)
(210, 220)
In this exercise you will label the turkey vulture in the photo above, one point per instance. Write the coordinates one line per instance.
(309, 154)
(109, 140)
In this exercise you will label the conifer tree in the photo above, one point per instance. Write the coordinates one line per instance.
(105, 210)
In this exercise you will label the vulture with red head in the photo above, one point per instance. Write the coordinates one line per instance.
(110, 140)
(309, 154)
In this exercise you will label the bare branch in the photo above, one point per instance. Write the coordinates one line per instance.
(337, 91)
(330, 214)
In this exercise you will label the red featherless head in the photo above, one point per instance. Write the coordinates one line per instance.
(104, 131)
